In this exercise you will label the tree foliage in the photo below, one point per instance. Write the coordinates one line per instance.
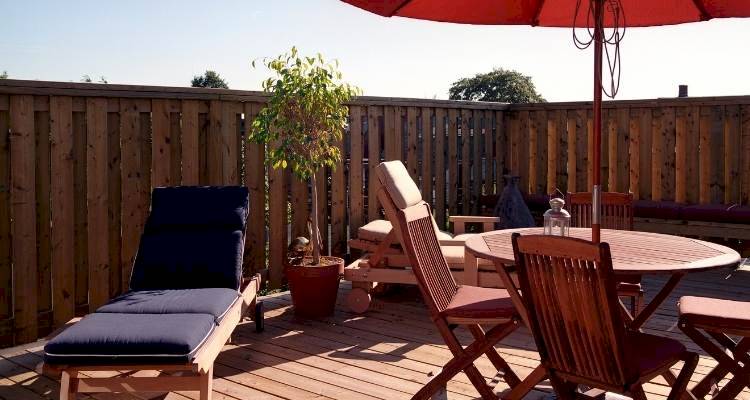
(501, 85)
(87, 79)
(304, 119)
(4, 75)
(210, 79)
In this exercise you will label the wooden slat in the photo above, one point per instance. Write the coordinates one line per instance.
(427, 154)
(300, 207)
(214, 144)
(391, 139)
(657, 154)
(356, 164)
(745, 149)
(467, 126)
(277, 226)
(412, 152)
(190, 142)
(23, 210)
(6, 271)
(175, 145)
(452, 160)
(229, 143)
(323, 212)
(62, 230)
(692, 147)
(476, 161)
(160, 144)
(581, 152)
(501, 145)
(338, 206)
(80, 257)
(116, 284)
(255, 175)
(96, 196)
(523, 150)
(552, 143)
(681, 155)
(489, 153)
(732, 146)
(562, 159)
(668, 163)
(374, 129)
(535, 166)
(717, 155)
(440, 167)
(43, 206)
(135, 186)
(572, 150)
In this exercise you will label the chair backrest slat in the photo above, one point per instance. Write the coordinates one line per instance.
(617, 210)
(569, 291)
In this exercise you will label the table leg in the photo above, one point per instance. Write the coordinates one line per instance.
(649, 310)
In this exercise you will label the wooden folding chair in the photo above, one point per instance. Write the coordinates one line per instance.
(718, 319)
(451, 305)
(568, 288)
(616, 213)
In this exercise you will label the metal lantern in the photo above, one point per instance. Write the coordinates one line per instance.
(556, 220)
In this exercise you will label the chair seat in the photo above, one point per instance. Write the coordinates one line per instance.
(716, 314)
(650, 353)
(212, 301)
(472, 303)
(113, 338)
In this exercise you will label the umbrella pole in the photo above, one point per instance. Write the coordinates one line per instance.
(596, 192)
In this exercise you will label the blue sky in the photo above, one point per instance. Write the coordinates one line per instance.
(161, 42)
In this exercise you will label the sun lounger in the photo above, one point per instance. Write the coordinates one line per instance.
(187, 294)
(385, 261)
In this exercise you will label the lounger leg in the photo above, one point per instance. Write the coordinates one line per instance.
(497, 361)
(68, 385)
(679, 387)
(206, 385)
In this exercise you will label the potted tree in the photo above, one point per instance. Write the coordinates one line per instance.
(306, 115)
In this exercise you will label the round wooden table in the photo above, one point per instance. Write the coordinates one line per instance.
(633, 252)
(636, 253)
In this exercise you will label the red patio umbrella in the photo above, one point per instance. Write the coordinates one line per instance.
(589, 14)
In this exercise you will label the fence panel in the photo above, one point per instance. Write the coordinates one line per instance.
(78, 163)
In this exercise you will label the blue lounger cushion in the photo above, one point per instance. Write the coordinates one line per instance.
(193, 238)
(213, 301)
(119, 339)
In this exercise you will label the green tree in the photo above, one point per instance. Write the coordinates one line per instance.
(305, 117)
(501, 85)
(87, 79)
(4, 75)
(210, 79)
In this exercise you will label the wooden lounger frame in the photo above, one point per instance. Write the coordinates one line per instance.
(386, 262)
(195, 376)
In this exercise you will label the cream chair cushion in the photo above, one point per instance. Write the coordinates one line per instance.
(396, 180)
(375, 231)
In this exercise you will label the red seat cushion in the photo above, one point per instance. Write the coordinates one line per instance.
(716, 314)
(646, 354)
(471, 302)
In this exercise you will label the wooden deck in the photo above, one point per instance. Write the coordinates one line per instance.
(388, 353)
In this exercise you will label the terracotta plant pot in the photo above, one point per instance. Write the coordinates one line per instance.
(314, 288)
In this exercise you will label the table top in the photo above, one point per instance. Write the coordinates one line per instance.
(633, 252)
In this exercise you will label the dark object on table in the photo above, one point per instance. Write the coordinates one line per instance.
(511, 207)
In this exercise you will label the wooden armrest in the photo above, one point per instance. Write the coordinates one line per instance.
(452, 242)
(460, 221)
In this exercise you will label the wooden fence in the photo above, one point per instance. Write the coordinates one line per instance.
(78, 161)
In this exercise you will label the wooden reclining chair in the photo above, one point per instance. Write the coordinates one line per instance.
(617, 213)
(451, 305)
(385, 260)
(719, 320)
(187, 294)
(568, 289)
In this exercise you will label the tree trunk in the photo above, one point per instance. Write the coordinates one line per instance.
(315, 234)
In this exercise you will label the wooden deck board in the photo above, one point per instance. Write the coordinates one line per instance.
(387, 353)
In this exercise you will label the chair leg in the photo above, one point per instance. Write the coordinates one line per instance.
(679, 387)
(497, 361)
(637, 393)
(206, 385)
(564, 390)
(68, 385)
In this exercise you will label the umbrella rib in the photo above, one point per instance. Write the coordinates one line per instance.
(400, 6)
(705, 16)
(535, 21)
